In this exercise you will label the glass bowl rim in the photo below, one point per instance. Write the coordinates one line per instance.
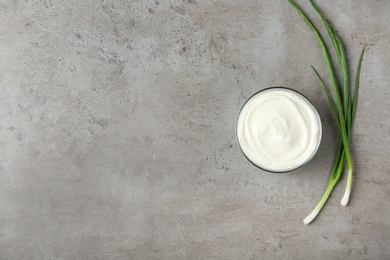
(315, 112)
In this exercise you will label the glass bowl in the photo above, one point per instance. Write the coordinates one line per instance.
(280, 134)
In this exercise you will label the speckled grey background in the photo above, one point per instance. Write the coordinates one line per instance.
(117, 131)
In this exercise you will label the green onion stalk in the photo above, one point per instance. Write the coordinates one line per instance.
(343, 108)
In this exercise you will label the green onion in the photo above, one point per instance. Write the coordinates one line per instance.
(343, 109)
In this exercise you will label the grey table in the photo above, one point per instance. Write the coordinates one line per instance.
(117, 131)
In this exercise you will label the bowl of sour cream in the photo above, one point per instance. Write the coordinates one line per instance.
(278, 129)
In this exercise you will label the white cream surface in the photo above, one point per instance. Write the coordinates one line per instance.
(278, 130)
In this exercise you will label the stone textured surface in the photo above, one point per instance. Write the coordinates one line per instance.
(117, 131)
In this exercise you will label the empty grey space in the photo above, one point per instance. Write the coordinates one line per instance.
(117, 131)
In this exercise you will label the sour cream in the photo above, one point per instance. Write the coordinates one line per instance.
(278, 129)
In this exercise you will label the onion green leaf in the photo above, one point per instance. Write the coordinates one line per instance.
(343, 109)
